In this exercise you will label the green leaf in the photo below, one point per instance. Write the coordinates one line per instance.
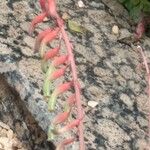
(136, 8)
(44, 65)
(146, 7)
(51, 136)
(122, 1)
(52, 102)
(135, 2)
(75, 27)
(47, 86)
(128, 5)
(135, 13)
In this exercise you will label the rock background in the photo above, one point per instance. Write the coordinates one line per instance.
(107, 68)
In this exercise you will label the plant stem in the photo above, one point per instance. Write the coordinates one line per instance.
(76, 87)
(148, 82)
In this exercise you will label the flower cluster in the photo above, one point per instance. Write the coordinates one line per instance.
(54, 66)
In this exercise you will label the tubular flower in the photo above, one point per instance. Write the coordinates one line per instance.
(54, 66)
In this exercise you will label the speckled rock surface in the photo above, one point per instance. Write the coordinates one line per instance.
(107, 68)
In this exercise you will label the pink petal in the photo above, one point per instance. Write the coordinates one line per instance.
(51, 8)
(40, 38)
(35, 21)
(51, 53)
(60, 118)
(58, 73)
(69, 126)
(71, 100)
(42, 4)
(63, 87)
(140, 29)
(60, 60)
(50, 36)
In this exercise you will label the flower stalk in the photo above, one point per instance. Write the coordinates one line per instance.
(55, 69)
(145, 62)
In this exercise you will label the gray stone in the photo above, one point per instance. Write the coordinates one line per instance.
(126, 72)
(124, 33)
(106, 66)
(97, 5)
(107, 128)
(143, 122)
(126, 100)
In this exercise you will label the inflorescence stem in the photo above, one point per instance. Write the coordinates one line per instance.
(148, 76)
(76, 87)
